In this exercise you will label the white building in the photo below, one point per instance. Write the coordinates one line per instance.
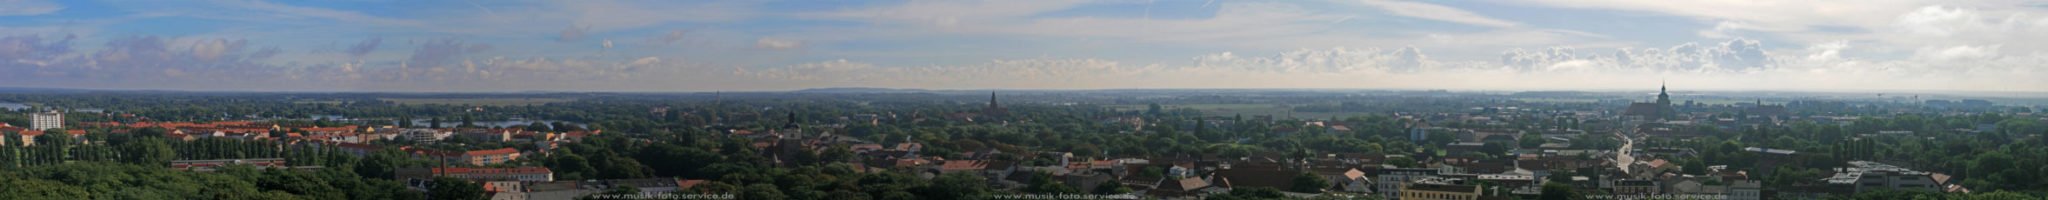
(1867, 176)
(425, 135)
(1745, 190)
(44, 121)
(1391, 180)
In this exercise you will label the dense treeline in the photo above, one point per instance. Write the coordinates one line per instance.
(148, 147)
(135, 166)
(99, 180)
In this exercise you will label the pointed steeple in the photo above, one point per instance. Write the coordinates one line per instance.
(994, 109)
(1663, 95)
(792, 122)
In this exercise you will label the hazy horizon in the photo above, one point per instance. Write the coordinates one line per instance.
(661, 46)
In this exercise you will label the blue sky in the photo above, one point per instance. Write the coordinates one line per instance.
(392, 45)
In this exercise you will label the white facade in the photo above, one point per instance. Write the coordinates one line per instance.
(44, 121)
(425, 135)
(1389, 183)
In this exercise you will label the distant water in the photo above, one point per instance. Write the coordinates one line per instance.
(13, 106)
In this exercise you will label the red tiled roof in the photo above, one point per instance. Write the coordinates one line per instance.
(687, 183)
(963, 165)
(858, 147)
(349, 128)
(500, 151)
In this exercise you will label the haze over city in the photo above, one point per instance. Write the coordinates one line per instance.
(785, 45)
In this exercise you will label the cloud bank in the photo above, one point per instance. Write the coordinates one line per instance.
(1798, 45)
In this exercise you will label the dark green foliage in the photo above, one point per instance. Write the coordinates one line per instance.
(1557, 191)
(88, 180)
(454, 189)
(1111, 187)
(1250, 193)
(1309, 183)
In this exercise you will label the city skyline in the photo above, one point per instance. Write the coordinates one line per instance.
(467, 46)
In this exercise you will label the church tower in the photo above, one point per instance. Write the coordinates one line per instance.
(994, 109)
(1664, 108)
(1658, 110)
(791, 124)
(1663, 97)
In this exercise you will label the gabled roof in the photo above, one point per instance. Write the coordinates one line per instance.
(688, 183)
(1184, 185)
(956, 165)
(499, 151)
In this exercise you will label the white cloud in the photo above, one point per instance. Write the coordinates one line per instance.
(28, 7)
(1957, 53)
(1334, 60)
(777, 44)
(212, 50)
(1435, 12)
(289, 11)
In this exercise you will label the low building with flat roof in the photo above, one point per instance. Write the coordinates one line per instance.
(531, 174)
(1439, 189)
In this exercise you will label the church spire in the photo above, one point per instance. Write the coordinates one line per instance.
(792, 121)
(992, 99)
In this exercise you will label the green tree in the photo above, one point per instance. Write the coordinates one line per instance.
(1557, 191)
(1532, 140)
(538, 126)
(1402, 162)
(445, 188)
(1693, 166)
(1250, 193)
(1309, 183)
(761, 191)
(149, 151)
(1044, 183)
(955, 186)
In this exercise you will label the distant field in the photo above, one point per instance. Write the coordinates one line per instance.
(1248, 110)
(477, 101)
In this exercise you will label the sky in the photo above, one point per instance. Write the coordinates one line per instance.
(601, 45)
